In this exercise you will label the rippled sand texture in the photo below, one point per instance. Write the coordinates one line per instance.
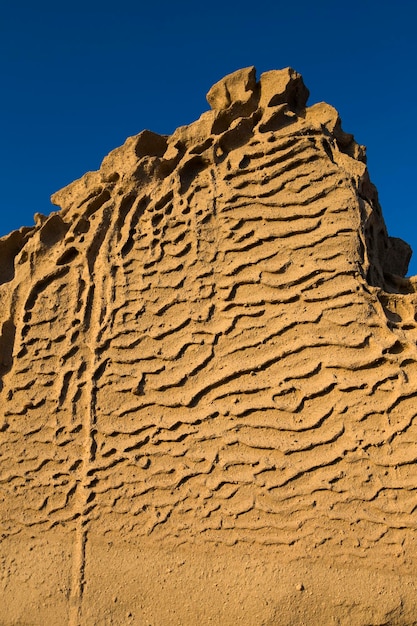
(208, 373)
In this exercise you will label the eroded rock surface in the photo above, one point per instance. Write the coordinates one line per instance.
(208, 371)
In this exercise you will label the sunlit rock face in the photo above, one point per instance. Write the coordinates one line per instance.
(208, 356)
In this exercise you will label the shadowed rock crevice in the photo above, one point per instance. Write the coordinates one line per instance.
(10, 246)
(7, 337)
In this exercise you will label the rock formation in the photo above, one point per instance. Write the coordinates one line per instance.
(208, 372)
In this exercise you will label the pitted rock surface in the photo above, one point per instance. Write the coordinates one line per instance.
(208, 359)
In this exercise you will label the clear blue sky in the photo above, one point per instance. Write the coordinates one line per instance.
(77, 78)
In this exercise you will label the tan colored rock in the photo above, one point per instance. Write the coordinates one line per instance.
(234, 88)
(208, 382)
(283, 87)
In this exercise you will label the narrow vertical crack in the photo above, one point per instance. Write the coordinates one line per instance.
(78, 576)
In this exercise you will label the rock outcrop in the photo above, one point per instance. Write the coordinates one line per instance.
(208, 392)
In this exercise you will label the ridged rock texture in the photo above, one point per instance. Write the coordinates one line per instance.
(208, 371)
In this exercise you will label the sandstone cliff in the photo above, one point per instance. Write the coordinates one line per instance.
(208, 382)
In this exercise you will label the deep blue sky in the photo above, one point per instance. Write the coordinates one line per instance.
(77, 78)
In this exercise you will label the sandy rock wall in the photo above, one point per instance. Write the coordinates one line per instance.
(211, 343)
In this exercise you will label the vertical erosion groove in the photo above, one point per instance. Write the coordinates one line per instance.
(94, 304)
